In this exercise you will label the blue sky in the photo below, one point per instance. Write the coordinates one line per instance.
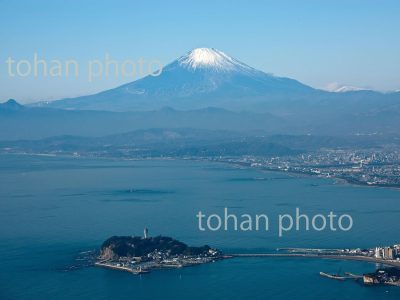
(316, 42)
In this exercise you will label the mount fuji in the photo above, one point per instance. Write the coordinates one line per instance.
(206, 89)
(203, 77)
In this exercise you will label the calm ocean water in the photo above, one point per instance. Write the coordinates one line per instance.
(51, 209)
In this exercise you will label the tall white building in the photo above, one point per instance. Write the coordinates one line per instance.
(378, 252)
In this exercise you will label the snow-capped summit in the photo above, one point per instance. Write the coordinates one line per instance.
(210, 58)
(338, 88)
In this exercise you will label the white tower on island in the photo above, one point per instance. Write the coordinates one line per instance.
(145, 233)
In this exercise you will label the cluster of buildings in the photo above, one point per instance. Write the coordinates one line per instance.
(154, 253)
(376, 167)
(381, 253)
(389, 253)
(159, 260)
(389, 276)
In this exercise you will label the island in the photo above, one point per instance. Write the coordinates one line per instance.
(389, 276)
(141, 254)
(138, 255)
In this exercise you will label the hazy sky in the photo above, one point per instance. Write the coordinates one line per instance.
(316, 42)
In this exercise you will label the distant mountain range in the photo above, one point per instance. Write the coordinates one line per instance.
(22, 122)
(179, 142)
(153, 142)
(207, 89)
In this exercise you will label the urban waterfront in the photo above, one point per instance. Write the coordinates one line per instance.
(53, 209)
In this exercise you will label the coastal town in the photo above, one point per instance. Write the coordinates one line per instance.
(386, 254)
(379, 167)
(361, 167)
(388, 257)
(139, 255)
(142, 254)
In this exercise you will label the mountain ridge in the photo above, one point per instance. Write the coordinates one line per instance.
(208, 89)
(202, 77)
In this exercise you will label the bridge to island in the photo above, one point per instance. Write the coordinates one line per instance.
(392, 263)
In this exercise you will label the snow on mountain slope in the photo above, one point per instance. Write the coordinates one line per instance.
(339, 88)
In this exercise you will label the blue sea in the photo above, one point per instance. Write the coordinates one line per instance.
(53, 209)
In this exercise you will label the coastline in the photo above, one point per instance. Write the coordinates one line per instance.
(336, 180)
(320, 256)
